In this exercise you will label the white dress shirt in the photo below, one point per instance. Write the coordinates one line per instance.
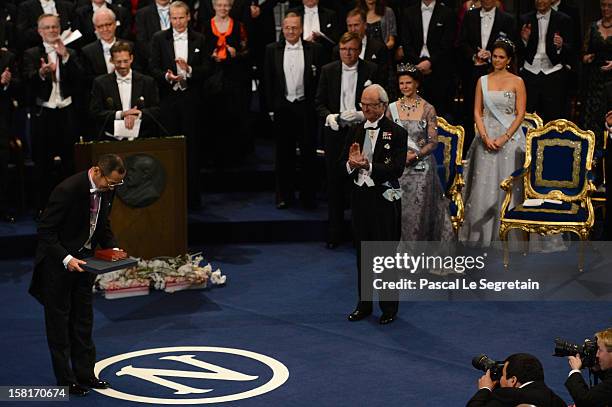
(110, 68)
(364, 176)
(96, 7)
(55, 98)
(487, 19)
(181, 50)
(541, 62)
(48, 6)
(348, 87)
(311, 21)
(426, 13)
(164, 16)
(124, 83)
(293, 67)
(364, 44)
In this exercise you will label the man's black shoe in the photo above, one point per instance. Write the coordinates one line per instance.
(358, 315)
(282, 205)
(95, 383)
(77, 390)
(387, 318)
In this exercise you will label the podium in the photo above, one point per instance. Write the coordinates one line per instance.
(149, 214)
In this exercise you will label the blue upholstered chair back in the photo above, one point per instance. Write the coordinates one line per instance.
(449, 151)
(559, 156)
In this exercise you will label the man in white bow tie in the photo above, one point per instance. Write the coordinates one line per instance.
(149, 20)
(179, 64)
(337, 104)
(52, 74)
(124, 95)
(374, 157)
(318, 23)
(546, 47)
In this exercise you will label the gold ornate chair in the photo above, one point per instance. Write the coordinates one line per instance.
(557, 167)
(448, 155)
(599, 196)
(531, 121)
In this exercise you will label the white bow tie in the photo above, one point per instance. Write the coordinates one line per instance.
(49, 49)
(427, 8)
(126, 81)
(540, 16)
(487, 14)
(349, 68)
(180, 37)
(371, 126)
(310, 11)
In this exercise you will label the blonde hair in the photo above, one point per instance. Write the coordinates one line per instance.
(606, 337)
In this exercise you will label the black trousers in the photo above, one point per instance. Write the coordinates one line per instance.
(295, 124)
(53, 135)
(69, 323)
(179, 112)
(546, 94)
(336, 182)
(436, 89)
(4, 160)
(374, 219)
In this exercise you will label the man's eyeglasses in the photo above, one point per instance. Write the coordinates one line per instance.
(112, 184)
(349, 50)
(369, 105)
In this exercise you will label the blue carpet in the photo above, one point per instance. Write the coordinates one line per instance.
(289, 302)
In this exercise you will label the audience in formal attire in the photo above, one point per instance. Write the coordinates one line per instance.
(83, 20)
(425, 214)
(8, 16)
(337, 105)
(28, 13)
(320, 25)
(545, 47)
(381, 22)
(149, 20)
(124, 95)
(292, 69)
(427, 42)
(597, 69)
(179, 63)
(52, 73)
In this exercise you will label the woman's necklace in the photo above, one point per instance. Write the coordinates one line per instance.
(606, 26)
(408, 107)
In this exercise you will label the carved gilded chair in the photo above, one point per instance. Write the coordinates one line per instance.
(599, 196)
(531, 121)
(448, 155)
(557, 179)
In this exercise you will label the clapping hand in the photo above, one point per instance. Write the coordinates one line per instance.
(526, 32)
(609, 118)
(424, 67)
(607, 67)
(6, 76)
(232, 51)
(172, 77)
(182, 64)
(46, 68)
(356, 158)
(60, 48)
(558, 40)
(588, 58)
(482, 56)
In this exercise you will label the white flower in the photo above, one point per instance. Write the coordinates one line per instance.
(216, 278)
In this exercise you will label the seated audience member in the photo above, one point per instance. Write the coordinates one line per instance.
(599, 395)
(124, 95)
(522, 382)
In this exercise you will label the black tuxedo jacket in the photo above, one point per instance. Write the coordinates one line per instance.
(559, 23)
(70, 75)
(163, 58)
(106, 101)
(7, 60)
(64, 228)
(147, 24)
(536, 393)
(375, 52)
(27, 19)
(8, 16)
(439, 36)
(328, 22)
(274, 74)
(121, 3)
(599, 395)
(387, 163)
(327, 99)
(503, 25)
(92, 61)
(83, 22)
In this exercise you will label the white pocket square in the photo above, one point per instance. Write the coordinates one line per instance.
(439, 24)
(328, 25)
(367, 83)
(197, 50)
(373, 56)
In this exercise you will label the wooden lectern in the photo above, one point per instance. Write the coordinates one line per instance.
(158, 225)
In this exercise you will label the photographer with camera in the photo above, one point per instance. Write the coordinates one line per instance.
(517, 380)
(600, 394)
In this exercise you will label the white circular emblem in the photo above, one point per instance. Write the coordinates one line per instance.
(163, 377)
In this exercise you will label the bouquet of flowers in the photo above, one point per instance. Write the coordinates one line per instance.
(165, 273)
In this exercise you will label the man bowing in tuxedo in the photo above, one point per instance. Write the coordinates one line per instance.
(374, 157)
(291, 71)
(124, 95)
(74, 222)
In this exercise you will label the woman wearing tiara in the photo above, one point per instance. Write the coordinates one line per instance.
(425, 214)
(499, 108)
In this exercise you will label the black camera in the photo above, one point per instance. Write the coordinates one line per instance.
(587, 351)
(484, 363)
